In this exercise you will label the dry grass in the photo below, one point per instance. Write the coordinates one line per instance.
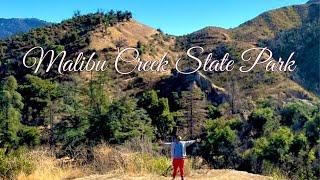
(133, 161)
(48, 167)
(107, 159)
(131, 31)
(121, 163)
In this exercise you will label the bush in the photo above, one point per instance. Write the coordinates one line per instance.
(296, 114)
(219, 145)
(213, 112)
(14, 163)
(312, 128)
(107, 159)
(273, 171)
(279, 144)
(259, 117)
(146, 162)
(29, 136)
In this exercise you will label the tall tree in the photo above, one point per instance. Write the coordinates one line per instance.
(11, 104)
(39, 95)
(194, 102)
(74, 124)
(158, 110)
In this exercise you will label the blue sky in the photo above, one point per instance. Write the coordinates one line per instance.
(172, 16)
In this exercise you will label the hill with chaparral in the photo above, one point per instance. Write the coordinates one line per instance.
(82, 124)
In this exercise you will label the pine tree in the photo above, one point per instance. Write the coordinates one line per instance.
(194, 103)
(72, 130)
(11, 104)
(159, 112)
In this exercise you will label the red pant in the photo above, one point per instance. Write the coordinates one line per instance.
(178, 163)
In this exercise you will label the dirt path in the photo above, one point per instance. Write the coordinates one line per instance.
(223, 174)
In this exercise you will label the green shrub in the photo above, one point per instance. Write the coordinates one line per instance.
(312, 128)
(275, 172)
(295, 114)
(160, 165)
(151, 164)
(29, 136)
(14, 163)
(213, 112)
(259, 117)
(218, 147)
(278, 144)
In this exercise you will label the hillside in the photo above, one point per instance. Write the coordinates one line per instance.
(304, 41)
(9, 27)
(259, 122)
(154, 44)
(268, 24)
(285, 30)
(95, 37)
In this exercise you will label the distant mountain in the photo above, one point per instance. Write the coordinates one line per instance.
(9, 27)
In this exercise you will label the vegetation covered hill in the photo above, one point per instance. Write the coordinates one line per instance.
(9, 27)
(286, 30)
(304, 41)
(258, 122)
(268, 24)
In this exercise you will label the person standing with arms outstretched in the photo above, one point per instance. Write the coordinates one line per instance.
(178, 154)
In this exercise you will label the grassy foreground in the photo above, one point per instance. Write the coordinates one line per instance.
(106, 160)
(119, 163)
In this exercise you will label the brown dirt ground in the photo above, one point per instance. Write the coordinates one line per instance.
(221, 174)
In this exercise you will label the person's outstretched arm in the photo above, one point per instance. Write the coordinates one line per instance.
(188, 143)
(167, 144)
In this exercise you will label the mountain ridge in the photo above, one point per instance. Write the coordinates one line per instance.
(269, 23)
(156, 43)
(12, 26)
(254, 122)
